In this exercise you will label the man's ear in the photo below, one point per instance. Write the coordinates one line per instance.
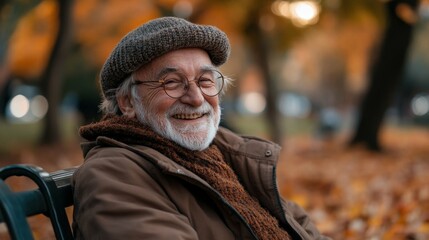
(126, 106)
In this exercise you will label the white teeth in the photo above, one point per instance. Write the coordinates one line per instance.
(188, 116)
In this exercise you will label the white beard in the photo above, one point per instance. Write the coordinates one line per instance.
(192, 137)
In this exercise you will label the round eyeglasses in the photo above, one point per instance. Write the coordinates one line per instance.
(176, 84)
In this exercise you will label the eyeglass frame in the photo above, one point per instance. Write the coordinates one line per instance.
(137, 82)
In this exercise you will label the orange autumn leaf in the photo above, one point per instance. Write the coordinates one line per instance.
(30, 45)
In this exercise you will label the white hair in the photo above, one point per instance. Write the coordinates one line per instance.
(109, 103)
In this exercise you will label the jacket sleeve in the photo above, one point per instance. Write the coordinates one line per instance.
(300, 217)
(116, 199)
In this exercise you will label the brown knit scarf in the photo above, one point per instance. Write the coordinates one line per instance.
(208, 164)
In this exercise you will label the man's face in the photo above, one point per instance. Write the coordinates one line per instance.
(191, 120)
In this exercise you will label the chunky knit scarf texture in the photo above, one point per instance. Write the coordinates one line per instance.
(208, 164)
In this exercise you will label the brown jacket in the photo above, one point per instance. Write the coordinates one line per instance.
(134, 192)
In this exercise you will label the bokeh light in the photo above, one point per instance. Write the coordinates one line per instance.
(253, 102)
(420, 105)
(294, 105)
(281, 8)
(39, 106)
(301, 13)
(304, 13)
(182, 9)
(19, 106)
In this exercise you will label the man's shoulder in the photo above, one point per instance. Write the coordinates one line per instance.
(229, 137)
(230, 141)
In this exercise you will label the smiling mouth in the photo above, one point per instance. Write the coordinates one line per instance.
(188, 116)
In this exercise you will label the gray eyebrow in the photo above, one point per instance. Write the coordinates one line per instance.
(208, 68)
(165, 71)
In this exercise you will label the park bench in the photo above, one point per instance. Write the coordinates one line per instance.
(51, 198)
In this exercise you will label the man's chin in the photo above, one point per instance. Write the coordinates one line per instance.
(193, 139)
(190, 126)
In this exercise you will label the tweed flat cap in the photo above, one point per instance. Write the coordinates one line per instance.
(155, 38)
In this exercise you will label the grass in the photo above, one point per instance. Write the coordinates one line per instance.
(258, 125)
(13, 134)
(18, 135)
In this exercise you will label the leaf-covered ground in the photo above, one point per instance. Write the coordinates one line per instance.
(350, 193)
(356, 194)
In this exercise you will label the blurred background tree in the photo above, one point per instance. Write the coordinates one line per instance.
(387, 72)
(51, 78)
(11, 12)
(299, 66)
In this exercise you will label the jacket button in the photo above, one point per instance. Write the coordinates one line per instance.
(268, 153)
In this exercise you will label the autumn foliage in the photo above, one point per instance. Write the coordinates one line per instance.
(356, 194)
(350, 193)
(96, 29)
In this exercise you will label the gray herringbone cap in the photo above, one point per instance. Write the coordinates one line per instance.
(155, 38)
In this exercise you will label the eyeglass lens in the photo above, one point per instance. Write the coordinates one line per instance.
(177, 84)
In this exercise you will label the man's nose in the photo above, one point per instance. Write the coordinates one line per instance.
(193, 96)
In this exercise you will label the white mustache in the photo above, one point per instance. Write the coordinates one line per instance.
(182, 109)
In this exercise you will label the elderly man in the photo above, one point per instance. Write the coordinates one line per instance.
(158, 166)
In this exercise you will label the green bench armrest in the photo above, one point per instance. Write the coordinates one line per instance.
(53, 195)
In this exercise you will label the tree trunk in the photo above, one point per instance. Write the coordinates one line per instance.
(260, 48)
(385, 77)
(51, 80)
(8, 24)
(272, 114)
